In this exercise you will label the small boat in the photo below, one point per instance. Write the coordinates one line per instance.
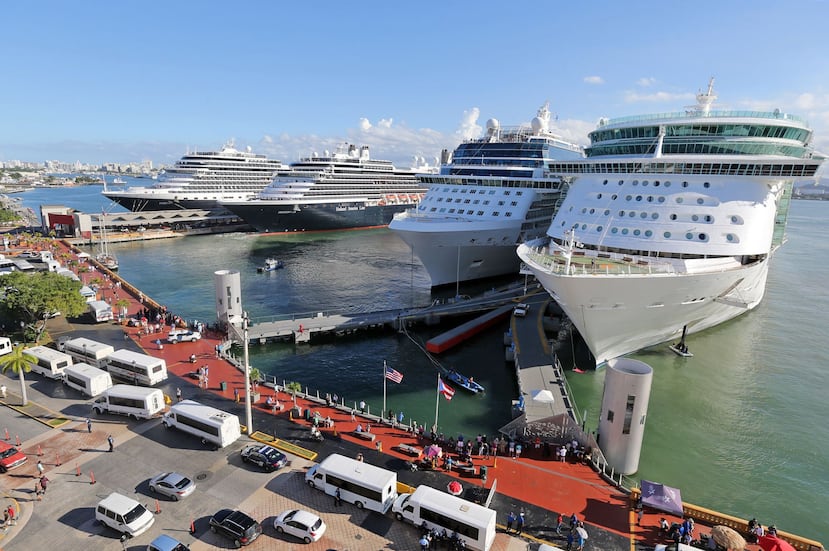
(680, 348)
(467, 383)
(271, 264)
(119, 181)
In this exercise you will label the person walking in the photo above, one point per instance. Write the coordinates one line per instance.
(11, 512)
(88, 424)
(178, 394)
(510, 521)
(43, 483)
(111, 442)
(338, 501)
(39, 468)
(559, 523)
(519, 523)
(639, 514)
(3, 391)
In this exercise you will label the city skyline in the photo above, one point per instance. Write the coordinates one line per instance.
(99, 82)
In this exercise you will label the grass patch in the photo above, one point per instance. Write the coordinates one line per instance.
(57, 422)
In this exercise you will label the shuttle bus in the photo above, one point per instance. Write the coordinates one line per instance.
(88, 379)
(208, 423)
(364, 485)
(136, 368)
(438, 510)
(87, 351)
(137, 402)
(50, 362)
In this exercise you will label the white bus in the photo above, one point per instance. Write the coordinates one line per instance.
(438, 510)
(137, 402)
(136, 368)
(364, 485)
(50, 362)
(86, 378)
(87, 351)
(100, 311)
(208, 423)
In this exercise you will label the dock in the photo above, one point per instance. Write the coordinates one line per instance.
(453, 337)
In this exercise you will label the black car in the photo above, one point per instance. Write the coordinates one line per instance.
(236, 525)
(266, 457)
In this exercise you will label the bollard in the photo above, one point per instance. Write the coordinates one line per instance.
(39, 450)
(77, 470)
(17, 439)
(91, 477)
(192, 526)
(7, 434)
(57, 459)
(157, 508)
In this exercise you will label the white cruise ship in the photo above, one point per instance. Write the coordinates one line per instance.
(200, 180)
(670, 223)
(346, 189)
(494, 194)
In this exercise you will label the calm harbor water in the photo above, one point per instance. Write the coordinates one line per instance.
(740, 427)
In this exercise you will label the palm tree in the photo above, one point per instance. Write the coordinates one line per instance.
(122, 304)
(18, 361)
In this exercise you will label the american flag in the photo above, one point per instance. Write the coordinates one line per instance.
(445, 389)
(393, 375)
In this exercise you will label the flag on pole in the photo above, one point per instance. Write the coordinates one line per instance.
(393, 375)
(445, 389)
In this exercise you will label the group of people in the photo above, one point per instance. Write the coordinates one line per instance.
(430, 537)
(679, 532)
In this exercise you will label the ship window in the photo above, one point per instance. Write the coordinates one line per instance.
(606, 212)
(609, 416)
(709, 218)
(706, 185)
(440, 199)
(655, 215)
(703, 237)
(476, 201)
(507, 192)
(443, 209)
(667, 235)
(643, 215)
(695, 218)
(729, 237)
(451, 211)
(604, 183)
(644, 183)
(684, 184)
(501, 203)
(496, 213)
(584, 226)
(614, 196)
(455, 190)
(631, 214)
(661, 199)
(648, 233)
(621, 213)
(689, 235)
(433, 209)
(667, 184)
(624, 231)
(492, 192)
(679, 200)
(508, 214)
(466, 201)
(599, 228)
(636, 232)
(592, 211)
(514, 203)
(473, 191)
(656, 183)
(650, 198)
(735, 219)
(614, 230)
(519, 193)
(628, 197)
(599, 196)
(636, 182)
(700, 201)
(480, 213)
(673, 217)
(639, 198)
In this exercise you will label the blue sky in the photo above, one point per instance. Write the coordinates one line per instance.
(123, 81)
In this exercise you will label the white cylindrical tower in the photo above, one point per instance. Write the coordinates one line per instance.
(228, 284)
(627, 390)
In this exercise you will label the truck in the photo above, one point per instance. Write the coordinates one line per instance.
(100, 311)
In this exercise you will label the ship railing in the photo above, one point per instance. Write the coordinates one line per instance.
(599, 263)
(692, 114)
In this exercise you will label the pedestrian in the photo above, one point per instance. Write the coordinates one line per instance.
(111, 442)
(362, 407)
(43, 483)
(88, 424)
(39, 467)
(236, 395)
(37, 489)
(178, 394)
(559, 523)
(338, 498)
(400, 417)
(519, 523)
(379, 446)
(570, 539)
(3, 391)
(510, 521)
(424, 543)
(12, 521)
(353, 415)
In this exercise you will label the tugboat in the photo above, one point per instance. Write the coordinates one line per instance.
(271, 264)
(464, 382)
(680, 348)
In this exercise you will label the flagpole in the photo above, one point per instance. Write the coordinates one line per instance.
(437, 403)
(383, 411)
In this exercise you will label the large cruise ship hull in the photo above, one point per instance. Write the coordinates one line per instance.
(620, 314)
(141, 203)
(450, 255)
(313, 217)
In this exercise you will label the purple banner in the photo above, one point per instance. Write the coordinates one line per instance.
(661, 497)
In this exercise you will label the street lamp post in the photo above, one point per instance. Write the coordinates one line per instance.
(248, 413)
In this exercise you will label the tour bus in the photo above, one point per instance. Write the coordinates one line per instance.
(100, 311)
(87, 351)
(136, 368)
(438, 510)
(50, 362)
(88, 379)
(137, 402)
(364, 485)
(210, 424)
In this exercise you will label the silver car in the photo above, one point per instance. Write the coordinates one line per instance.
(173, 485)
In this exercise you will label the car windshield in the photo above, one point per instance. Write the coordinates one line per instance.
(7, 453)
(183, 483)
(134, 514)
(317, 524)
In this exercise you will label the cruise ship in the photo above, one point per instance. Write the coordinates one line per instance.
(334, 191)
(494, 194)
(671, 222)
(200, 180)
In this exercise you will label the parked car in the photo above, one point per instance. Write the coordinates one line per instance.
(166, 543)
(304, 525)
(10, 457)
(183, 335)
(173, 485)
(266, 457)
(235, 525)
(521, 309)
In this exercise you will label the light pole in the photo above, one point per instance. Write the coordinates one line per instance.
(248, 413)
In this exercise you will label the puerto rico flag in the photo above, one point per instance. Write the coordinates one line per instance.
(445, 389)
(393, 375)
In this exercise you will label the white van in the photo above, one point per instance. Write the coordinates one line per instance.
(86, 378)
(137, 402)
(50, 362)
(100, 310)
(208, 423)
(87, 351)
(438, 510)
(124, 514)
(5, 345)
(364, 485)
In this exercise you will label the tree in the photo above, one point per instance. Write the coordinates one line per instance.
(33, 298)
(18, 361)
(122, 304)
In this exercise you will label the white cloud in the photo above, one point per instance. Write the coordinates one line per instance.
(365, 125)
(594, 80)
(660, 97)
(646, 81)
